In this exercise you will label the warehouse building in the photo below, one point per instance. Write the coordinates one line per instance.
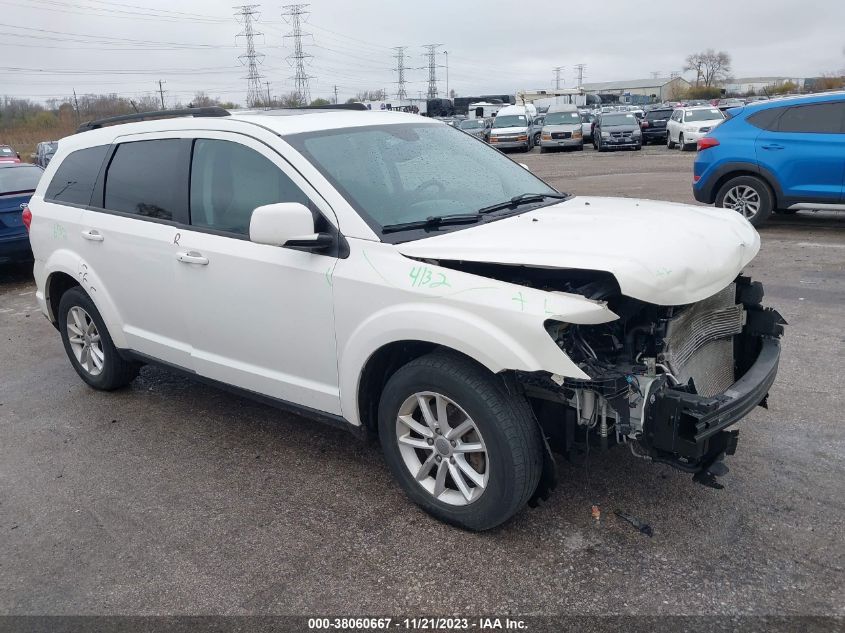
(658, 88)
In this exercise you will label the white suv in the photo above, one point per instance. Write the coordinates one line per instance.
(687, 125)
(388, 273)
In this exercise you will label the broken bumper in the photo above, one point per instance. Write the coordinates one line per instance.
(688, 430)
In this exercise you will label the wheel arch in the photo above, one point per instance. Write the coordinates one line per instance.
(735, 170)
(64, 270)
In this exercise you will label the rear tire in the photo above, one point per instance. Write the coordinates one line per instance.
(749, 196)
(507, 459)
(88, 344)
(669, 143)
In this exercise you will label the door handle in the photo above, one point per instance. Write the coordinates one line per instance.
(192, 257)
(92, 235)
(772, 146)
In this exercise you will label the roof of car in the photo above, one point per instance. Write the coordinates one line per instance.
(775, 102)
(281, 122)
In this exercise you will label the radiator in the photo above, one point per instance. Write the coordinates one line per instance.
(699, 342)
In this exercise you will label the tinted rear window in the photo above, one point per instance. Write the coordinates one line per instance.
(817, 118)
(766, 119)
(14, 179)
(658, 114)
(73, 182)
(150, 178)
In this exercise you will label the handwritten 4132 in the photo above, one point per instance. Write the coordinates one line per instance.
(423, 276)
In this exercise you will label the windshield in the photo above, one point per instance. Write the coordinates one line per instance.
(618, 119)
(50, 148)
(703, 115)
(13, 179)
(409, 172)
(472, 124)
(658, 114)
(563, 118)
(510, 120)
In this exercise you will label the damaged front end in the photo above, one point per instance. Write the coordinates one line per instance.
(667, 380)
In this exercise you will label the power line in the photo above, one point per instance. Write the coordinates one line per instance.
(246, 14)
(401, 93)
(432, 69)
(293, 15)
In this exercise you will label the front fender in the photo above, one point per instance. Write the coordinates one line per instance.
(68, 262)
(499, 324)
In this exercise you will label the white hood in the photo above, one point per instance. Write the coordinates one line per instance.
(660, 252)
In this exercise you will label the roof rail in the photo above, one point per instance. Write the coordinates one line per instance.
(336, 106)
(210, 111)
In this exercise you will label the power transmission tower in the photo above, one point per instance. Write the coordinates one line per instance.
(401, 93)
(580, 68)
(655, 74)
(557, 70)
(161, 92)
(294, 15)
(432, 69)
(269, 103)
(245, 16)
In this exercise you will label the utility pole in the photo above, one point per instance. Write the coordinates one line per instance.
(269, 100)
(161, 92)
(580, 68)
(76, 104)
(401, 93)
(245, 16)
(294, 15)
(432, 69)
(655, 74)
(557, 70)
(335, 94)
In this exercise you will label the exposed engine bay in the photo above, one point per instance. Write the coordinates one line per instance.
(667, 380)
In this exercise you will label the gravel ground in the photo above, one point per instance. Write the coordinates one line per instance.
(171, 497)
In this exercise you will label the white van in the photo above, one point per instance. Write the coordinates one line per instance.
(513, 128)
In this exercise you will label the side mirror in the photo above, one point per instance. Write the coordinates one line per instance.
(525, 167)
(287, 224)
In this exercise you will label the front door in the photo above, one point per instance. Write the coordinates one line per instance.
(259, 317)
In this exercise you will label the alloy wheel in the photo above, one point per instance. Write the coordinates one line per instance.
(442, 448)
(85, 341)
(743, 199)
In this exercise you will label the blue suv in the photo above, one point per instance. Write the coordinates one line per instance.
(775, 156)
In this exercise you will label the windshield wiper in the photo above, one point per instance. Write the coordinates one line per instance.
(523, 198)
(433, 221)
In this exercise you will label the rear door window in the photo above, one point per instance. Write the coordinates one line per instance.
(73, 182)
(150, 179)
(817, 118)
(766, 119)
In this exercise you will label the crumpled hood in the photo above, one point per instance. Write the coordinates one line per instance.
(661, 252)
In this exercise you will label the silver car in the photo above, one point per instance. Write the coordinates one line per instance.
(474, 127)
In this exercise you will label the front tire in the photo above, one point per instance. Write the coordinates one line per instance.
(749, 196)
(670, 144)
(462, 448)
(88, 344)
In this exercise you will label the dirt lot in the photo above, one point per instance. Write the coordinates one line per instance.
(171, 497)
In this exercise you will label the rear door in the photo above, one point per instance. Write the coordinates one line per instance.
(131, 237)
(805, 151)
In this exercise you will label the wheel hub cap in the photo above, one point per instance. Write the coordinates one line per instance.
(442, 448)
(84, 339)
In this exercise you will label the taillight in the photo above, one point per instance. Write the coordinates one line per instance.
(26, 216)
(644, 124)
(707, 142)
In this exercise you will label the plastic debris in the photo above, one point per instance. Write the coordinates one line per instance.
(644, 528)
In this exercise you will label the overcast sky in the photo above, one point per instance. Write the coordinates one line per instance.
(50, 47)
